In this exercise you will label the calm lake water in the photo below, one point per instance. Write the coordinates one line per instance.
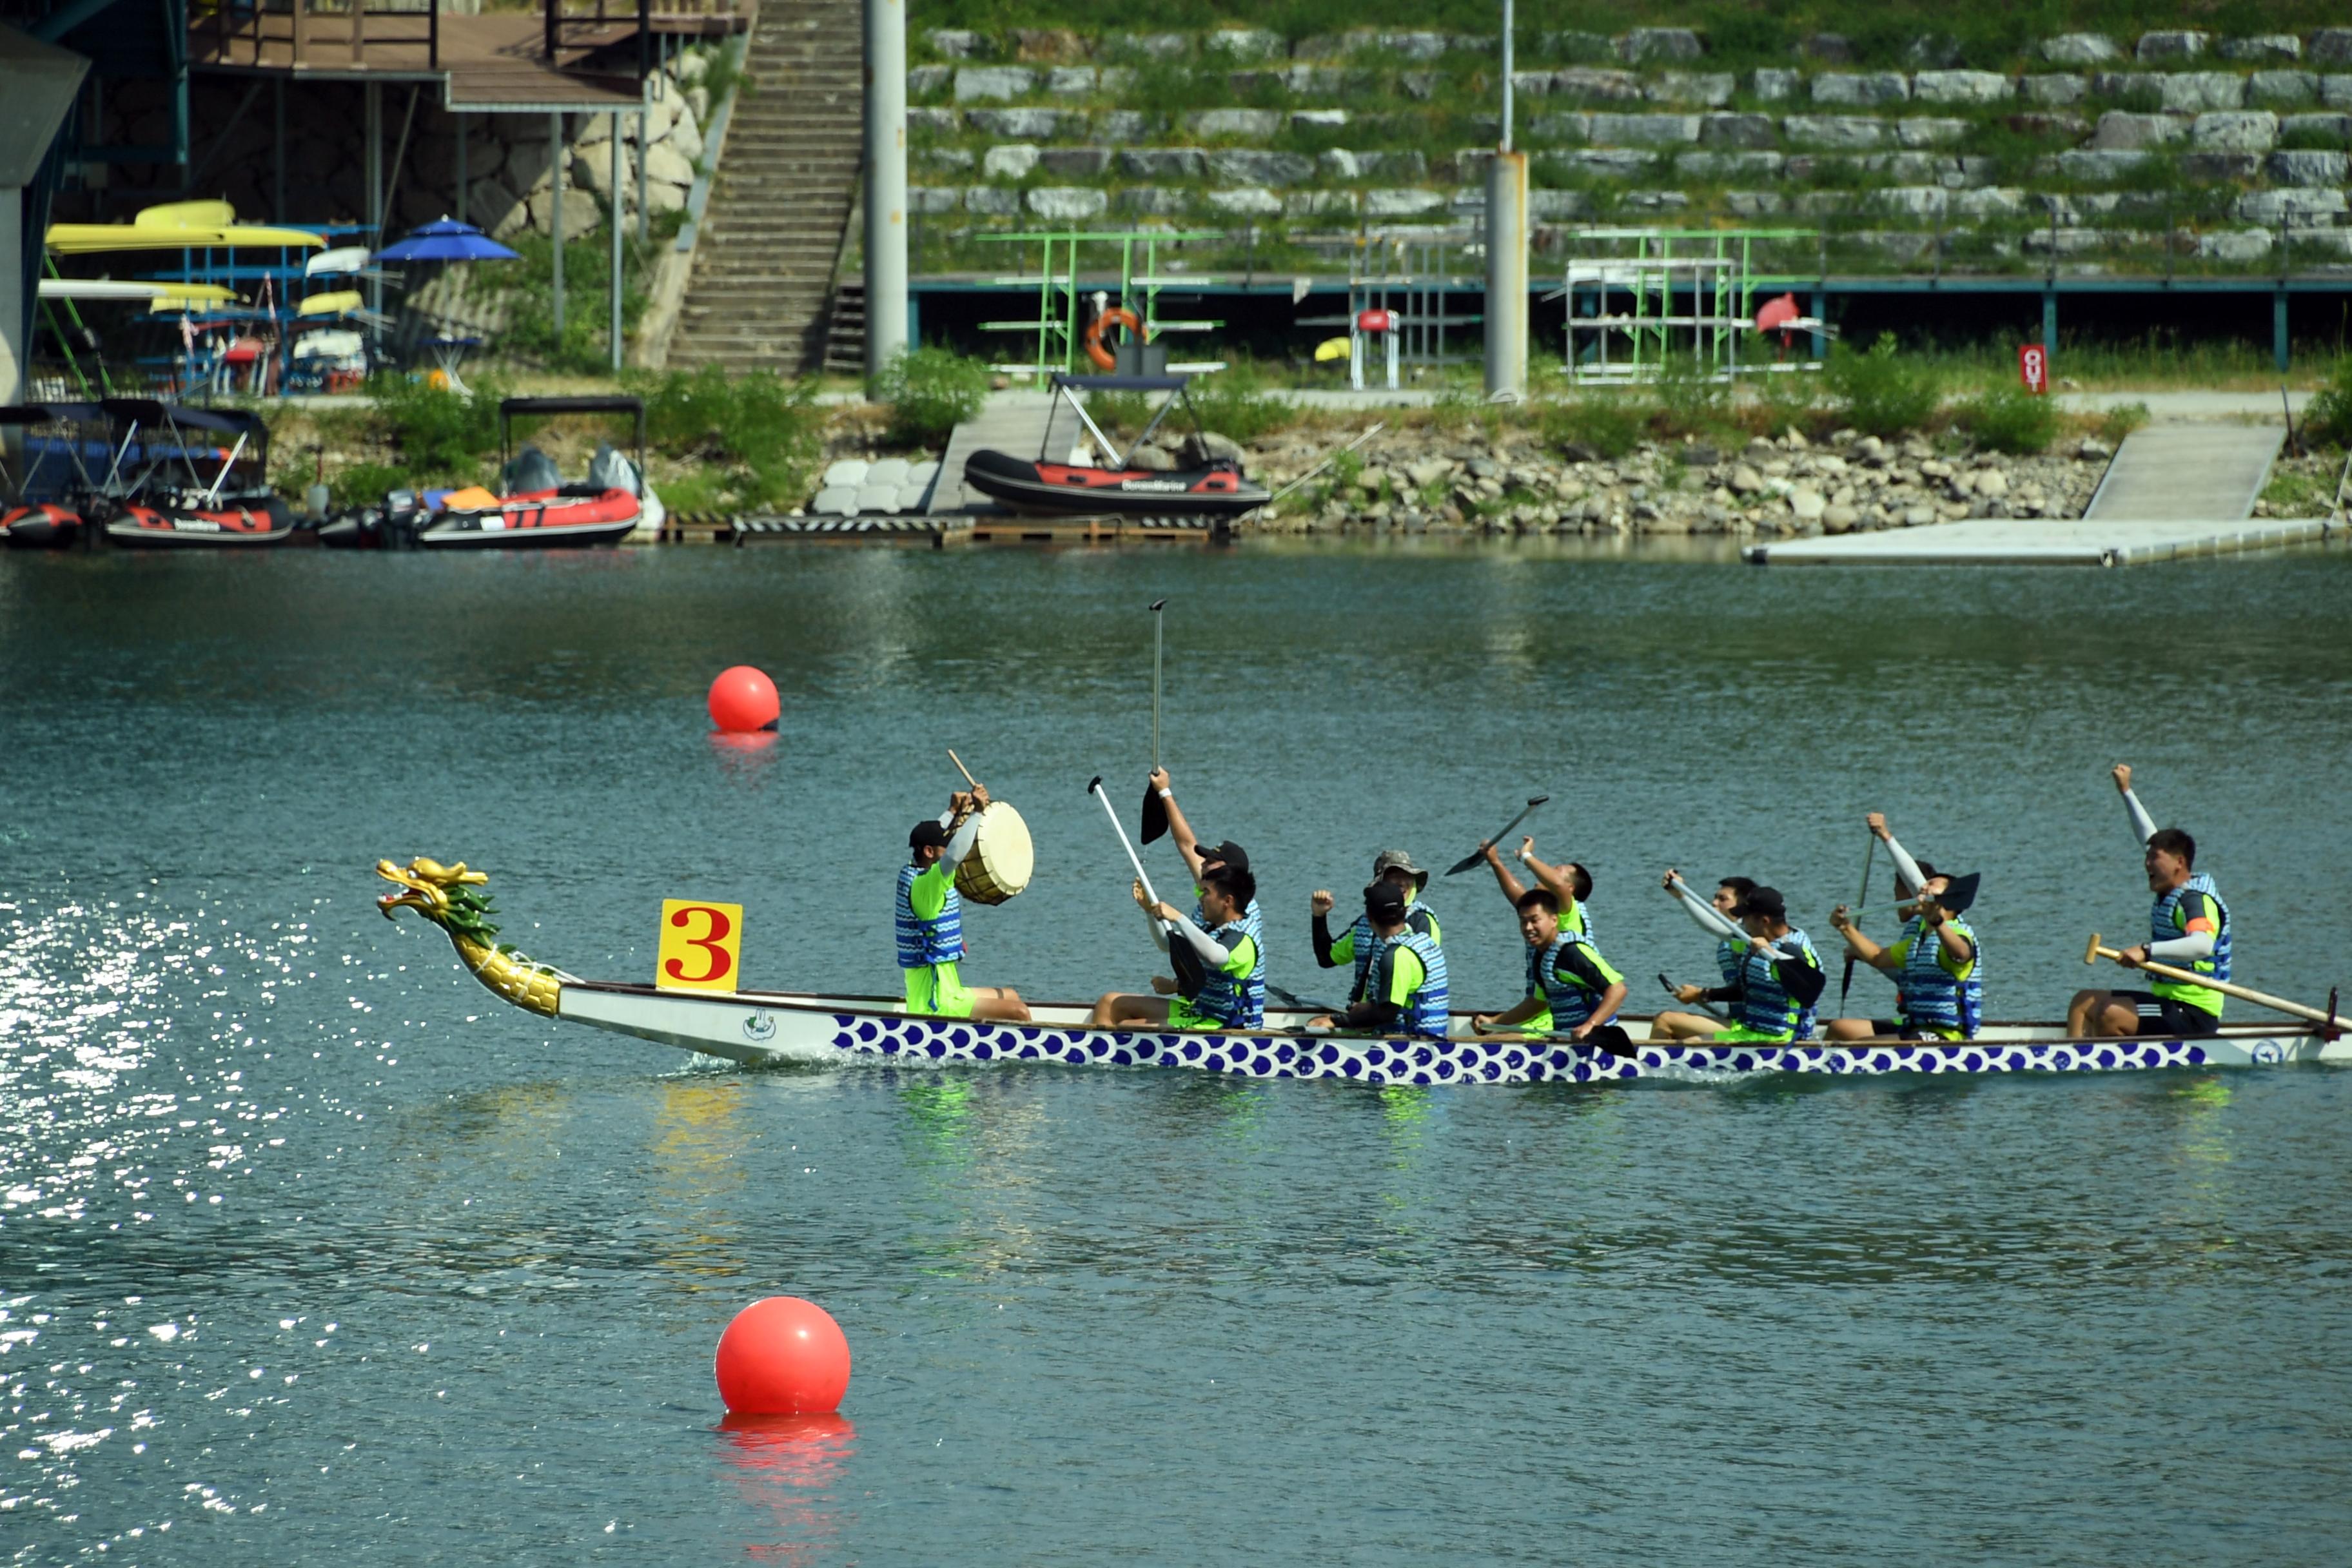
(309, 1249)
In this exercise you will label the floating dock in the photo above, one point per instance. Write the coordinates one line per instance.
(2039, 542)
(2173, 491)
(939, 530)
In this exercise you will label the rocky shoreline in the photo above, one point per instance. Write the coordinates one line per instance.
(1426, 481)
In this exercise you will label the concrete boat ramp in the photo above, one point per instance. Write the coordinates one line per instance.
(2172, 491)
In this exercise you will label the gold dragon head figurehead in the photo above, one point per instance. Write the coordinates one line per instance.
(444, 895)
(451, 897)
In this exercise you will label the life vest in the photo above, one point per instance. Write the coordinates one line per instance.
(922, 942)
(1368, 944)
(1253, 990)
(1571, 1002)
(1932, 999)
(1425, 1007)
(1764, 1004)
(2164, 925)
(1212, 993)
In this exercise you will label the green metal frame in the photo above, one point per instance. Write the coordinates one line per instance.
(1057, 327)
(1721, 263)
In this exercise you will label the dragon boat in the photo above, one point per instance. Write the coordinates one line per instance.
(762, 1027)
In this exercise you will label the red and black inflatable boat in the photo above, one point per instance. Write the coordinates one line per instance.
(1030, 484)
(1216, 489)
(244, 522)
(573, 515)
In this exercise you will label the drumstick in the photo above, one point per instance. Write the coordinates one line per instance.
(962, 769)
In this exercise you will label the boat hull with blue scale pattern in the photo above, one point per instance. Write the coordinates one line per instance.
(775, 1027)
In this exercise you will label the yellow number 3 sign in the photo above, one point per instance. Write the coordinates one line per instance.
(701, 946)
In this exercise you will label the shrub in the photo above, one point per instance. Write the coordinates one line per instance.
(1609, 424)
(365, 484)
(2329, 416)
(1690, 401)
(2008, 418)
(1882, 393)
(764, 428)
(2120, 421)
(1785, 399)
(442, 434)
(931, 392)
(1233, 402)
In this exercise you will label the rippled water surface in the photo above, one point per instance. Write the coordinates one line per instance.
(310, 1249)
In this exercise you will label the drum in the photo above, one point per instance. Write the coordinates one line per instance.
(1001, 858)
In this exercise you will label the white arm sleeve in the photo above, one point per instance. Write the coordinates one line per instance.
(1710, 918)
(2195, 945)
(960, 845)
(2143, 824)
(1906, 867)
(1212, 953)
(1159, 930)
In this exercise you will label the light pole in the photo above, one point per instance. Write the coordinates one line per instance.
(1507, 252)
(886, 183)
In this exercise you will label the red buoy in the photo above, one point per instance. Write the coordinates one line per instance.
(743, 700)
(782, 1356)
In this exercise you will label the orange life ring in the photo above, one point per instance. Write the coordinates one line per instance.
(1095, 351)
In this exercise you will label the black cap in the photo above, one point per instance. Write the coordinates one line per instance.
(1765, 901)
(1228, 853)
(1384, 901)
(927, 833)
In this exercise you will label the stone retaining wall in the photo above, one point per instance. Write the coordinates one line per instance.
(2093, 151)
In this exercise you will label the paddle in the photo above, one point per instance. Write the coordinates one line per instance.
(1708, 1007)
(1292, 1000)
(1480, 853)
(1155, 810)
(2095, 952)
(1869, 859)
(1094, 788)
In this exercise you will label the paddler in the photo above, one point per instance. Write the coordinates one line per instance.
(2188, 928)
(1569, 884)
(1211, 988)
(930, 920)
(1405, 991)
(1201, 858)
(1355, 944)
(1569, 985)
(1940, 989)
(1778, 978)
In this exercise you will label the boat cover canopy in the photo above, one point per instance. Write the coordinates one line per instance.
(635, 407)
(1123, 382)
(42, 413)
(147, 410)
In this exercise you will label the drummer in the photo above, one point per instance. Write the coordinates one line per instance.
(1211, 988)
(930, 920)
(1355, 944)
(1201, 859)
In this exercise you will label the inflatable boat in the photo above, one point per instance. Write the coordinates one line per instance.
(1038, 486)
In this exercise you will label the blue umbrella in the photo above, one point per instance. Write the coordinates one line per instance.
(446, 240)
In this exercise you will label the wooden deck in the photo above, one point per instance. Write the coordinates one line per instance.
(493, 61)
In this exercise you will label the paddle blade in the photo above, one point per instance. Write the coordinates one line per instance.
(1155, 815)
(1465, 863)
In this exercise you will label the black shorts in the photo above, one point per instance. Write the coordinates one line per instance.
(2165, 1019)
(1897, 1029)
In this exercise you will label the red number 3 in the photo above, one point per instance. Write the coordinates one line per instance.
(708, 942)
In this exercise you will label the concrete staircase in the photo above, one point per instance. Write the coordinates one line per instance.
(761, 293)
